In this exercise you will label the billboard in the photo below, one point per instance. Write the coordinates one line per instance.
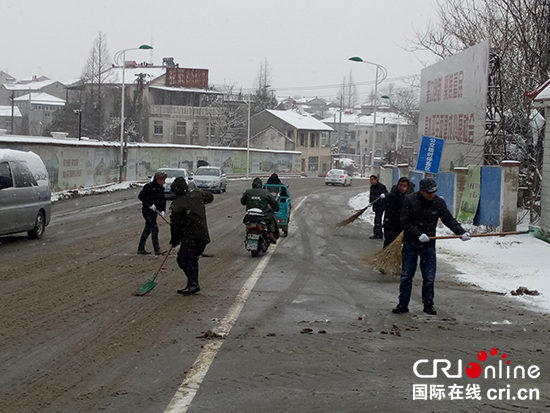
(182, 77)
(453, 105)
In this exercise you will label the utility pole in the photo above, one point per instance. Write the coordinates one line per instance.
(340, 125)
(12, 97)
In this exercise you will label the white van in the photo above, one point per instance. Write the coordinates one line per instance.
(25, 197)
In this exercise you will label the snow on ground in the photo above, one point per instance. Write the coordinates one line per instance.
(500, 264)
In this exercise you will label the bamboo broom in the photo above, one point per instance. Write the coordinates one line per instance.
(349, 220)
(388, 260)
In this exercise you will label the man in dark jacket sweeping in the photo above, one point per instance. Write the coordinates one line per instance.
(377, 190)
(189, 228)
(392, 213)
(257, 197)
(419, 215)
(152, 199)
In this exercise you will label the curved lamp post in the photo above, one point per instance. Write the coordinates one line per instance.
(120, 58)
(382, 71)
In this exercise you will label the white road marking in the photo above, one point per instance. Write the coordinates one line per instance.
(192, 382)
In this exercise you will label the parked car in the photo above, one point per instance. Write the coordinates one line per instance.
(173, 173)
(25, 197)
(211, 178)
(338, 176)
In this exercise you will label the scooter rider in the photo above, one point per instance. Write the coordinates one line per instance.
(257, 197)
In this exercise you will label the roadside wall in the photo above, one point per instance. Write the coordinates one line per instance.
(498, 191)
(76, 164)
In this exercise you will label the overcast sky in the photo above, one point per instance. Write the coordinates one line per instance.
(307, 43)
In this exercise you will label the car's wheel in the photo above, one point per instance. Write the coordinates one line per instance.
(39, 227)
(326, 183)
(225, 189)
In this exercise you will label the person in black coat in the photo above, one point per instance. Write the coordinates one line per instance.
(420, 214)
(392, 213)
(153, 200)
(189, 228)
(377, 190)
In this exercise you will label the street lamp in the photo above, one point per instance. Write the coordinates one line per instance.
(384, 73)
(120, 58)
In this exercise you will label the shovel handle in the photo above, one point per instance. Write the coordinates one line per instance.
(162, 216)
(488, 234)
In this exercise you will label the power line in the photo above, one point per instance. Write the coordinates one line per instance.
(333, 86)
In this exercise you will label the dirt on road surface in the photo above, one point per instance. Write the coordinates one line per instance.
(75, 339)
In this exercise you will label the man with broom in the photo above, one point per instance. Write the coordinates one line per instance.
(188, 227)
(392, 213)
(377, 190)
(419, 215)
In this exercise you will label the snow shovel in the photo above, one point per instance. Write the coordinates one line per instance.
(145, 288)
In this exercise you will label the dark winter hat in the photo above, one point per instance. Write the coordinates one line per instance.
(428, 185)
(257, 183)
(159, 175)
(179, 186)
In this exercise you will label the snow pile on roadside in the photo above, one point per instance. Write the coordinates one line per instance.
(500, 264)
(73, 193)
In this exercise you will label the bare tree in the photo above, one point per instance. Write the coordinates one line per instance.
(518, 32)
(348, 92)
(263, 98)
(95, 75)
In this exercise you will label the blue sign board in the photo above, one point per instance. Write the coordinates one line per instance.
(429, 155)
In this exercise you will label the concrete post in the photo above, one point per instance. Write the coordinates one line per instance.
(509, 195)
(461, 174)
(386, 176)
(403, 170)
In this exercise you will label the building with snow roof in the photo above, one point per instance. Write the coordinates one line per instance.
(165, 104)
(38, 110)
(293, 131)
(353, 129)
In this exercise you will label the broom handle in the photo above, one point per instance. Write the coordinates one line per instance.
(364, 209)
(165, 258)
(162, 216)
(489, 234)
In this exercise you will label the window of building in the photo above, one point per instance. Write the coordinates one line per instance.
(181, 128)
(195, 128)
(352, 135)
(302, 139)
(158, 128)
(312, 140)
(313, 163)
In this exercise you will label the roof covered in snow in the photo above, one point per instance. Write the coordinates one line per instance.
(41, 99)
(29, 85)
(300, 121)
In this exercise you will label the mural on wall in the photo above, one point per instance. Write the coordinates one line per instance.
(239, 162)
(91, 164)
(227, 161)
(470, 196)
(275, 162)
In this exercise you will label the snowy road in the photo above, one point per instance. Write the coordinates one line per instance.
(74, 338)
